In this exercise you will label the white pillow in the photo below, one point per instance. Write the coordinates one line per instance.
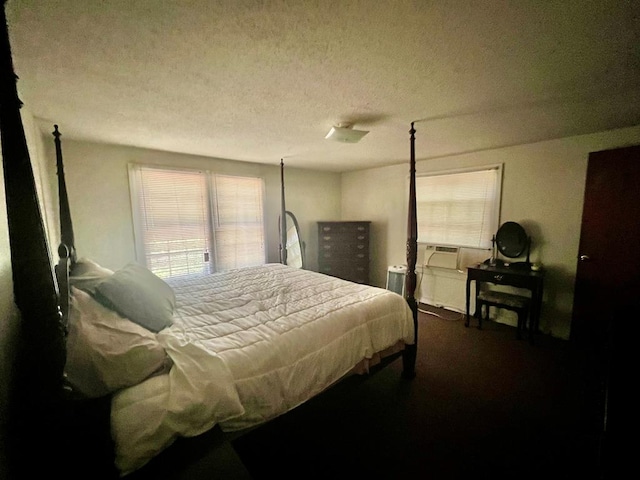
(87, 274)
(106, 352)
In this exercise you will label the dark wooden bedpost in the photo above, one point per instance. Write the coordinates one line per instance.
(66, 226)
(40, 353)
(283, 218)
(66, 249)
(34, 284)
(409, 357)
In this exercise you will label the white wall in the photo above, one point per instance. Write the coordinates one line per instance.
(543, 188)
(98, 186)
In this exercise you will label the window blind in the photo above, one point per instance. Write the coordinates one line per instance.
(238, 232)
(460, 208)
(189, 221)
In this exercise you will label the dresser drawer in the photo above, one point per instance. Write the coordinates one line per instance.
(341, 237)
(348, 228)
(338, 257)
(335, 249)
(351, 272)
(503, 278)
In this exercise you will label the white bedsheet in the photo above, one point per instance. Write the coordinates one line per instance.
(249, 345)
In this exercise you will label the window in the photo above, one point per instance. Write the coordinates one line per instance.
(190, 221)
(238, 229)
(459, 208)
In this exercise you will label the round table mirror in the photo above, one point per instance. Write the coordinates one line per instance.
(511, 239)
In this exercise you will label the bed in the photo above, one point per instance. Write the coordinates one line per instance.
(120, 364)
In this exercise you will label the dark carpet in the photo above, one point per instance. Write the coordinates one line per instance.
(483, 405)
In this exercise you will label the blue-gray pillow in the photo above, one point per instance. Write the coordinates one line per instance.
(138, 294)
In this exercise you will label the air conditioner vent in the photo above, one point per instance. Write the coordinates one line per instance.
(441, 256)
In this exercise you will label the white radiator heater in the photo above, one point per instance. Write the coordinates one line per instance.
(396, 275)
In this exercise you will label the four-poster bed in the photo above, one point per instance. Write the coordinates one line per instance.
(54, 412)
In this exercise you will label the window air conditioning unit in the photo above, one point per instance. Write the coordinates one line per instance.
(395, 278)
(441, 256)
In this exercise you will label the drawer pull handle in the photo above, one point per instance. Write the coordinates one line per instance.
(498, 277)
(360, 247)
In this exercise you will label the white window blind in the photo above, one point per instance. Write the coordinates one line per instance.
(189, 221)
(459, 208)
(238, 217)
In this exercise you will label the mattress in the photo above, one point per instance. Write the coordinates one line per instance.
(248, 345)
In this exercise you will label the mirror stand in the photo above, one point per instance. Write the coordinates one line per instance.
(292, 253)
(526, 265)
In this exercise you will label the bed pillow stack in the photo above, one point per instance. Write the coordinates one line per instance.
(113, 320)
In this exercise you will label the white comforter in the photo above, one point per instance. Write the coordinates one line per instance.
(249, 345)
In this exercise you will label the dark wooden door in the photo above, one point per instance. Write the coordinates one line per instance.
(608, 270)
(607, 300)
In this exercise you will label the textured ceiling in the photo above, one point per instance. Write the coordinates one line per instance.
(263, 80)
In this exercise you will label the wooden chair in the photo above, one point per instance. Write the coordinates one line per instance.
(509, 301)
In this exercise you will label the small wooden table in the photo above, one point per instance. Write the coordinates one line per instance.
(512, 276)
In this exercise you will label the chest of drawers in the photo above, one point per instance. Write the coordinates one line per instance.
(343, 250)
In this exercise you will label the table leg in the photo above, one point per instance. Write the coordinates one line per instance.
(537, 307)
(466, 321)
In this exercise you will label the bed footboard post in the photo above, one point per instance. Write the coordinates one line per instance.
(283, 218)
(409, 355)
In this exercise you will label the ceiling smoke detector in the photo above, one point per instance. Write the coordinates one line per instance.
(345, 133)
